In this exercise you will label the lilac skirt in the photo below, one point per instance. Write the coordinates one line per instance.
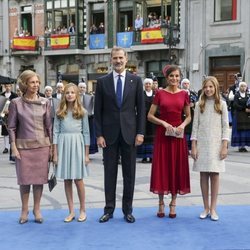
(33, 166)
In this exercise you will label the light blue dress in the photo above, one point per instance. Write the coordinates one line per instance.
(71, 136)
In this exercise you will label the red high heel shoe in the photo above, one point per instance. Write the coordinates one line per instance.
(172, 207)
(161, 214)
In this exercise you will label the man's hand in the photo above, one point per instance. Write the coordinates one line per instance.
(101, 142)
(139, 140)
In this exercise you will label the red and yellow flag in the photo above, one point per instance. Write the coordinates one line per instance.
(24, 43)
(60, 41)
(151, 35)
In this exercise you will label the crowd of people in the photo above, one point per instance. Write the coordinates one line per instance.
(21, 33)
(127, 119)
(97, 30)
(60, 30)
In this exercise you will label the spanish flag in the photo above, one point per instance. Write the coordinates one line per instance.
(60, 41)
(24, 43)
(151, 35)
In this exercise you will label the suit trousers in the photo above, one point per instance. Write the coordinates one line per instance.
(111, 155)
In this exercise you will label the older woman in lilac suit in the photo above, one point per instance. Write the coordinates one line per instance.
(30, 130)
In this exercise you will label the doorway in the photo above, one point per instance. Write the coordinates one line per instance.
(224, 69)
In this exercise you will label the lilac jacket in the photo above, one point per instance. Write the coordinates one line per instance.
(29, 123)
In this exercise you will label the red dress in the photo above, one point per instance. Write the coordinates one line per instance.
(170, 167)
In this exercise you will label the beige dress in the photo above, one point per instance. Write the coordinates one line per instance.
(209, 129)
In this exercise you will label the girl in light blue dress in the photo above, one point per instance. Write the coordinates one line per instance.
(71, 147)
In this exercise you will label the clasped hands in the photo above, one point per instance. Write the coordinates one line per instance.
(170, 129)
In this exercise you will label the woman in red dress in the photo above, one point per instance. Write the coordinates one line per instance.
(170, 168)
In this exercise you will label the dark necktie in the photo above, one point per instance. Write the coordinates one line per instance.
(119, 91)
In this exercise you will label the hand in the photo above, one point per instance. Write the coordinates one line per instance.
(87, 160)
(194, 153)
(139, 140)
(51, 154)
(101, 142)
(15, 153)
(55, 159)
(169, 128)
(179, 130)
(223, 153)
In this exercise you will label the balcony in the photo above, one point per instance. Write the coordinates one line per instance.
(63, 41)
(146, 39)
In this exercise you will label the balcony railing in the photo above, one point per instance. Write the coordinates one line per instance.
(27, 43)
(63, 41)
(99, 41)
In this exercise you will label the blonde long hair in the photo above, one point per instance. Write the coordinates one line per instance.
(217, 98)
(77, 111)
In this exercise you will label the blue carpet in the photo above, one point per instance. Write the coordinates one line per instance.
(187, 231)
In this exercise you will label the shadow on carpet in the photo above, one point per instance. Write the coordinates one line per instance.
(186, 232)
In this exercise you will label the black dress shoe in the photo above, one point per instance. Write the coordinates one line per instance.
(5, 151)
(129, 218)
(105, 218)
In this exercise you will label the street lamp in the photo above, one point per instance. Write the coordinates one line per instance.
(170, 29)
(170, 33)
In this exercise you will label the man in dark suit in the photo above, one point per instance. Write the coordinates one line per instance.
(88, 103)
(59, 91)
(119, 122)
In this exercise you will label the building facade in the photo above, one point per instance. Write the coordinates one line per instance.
(218, 40)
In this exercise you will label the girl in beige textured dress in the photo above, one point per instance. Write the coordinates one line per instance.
(210, 136)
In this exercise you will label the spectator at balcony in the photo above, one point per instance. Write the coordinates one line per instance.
(72, 29)
(21, 32)
(93, 29)
(16, 33)
(59, 90)
(64, 30)
(26, 33)
(47, 31)
(138, 23)
(101, 29)
(152, 20)
(58, 30)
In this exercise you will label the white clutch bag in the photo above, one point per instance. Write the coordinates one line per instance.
(173, 134)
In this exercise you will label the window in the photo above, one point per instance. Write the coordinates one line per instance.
(26, 21)
(125, 16)
(225, 10)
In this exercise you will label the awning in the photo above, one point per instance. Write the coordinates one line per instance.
(6, 80)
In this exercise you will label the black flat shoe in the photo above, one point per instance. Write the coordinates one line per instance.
(144, 160)
(105, 218)
(129, 218)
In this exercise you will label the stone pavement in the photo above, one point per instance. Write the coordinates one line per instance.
(234, 186)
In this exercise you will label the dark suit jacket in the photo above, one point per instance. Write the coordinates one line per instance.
(109, 119)
(88, 103)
